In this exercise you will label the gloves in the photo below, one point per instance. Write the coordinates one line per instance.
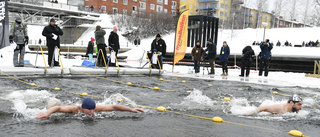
(159, 53)
(11, 39)
(26, 40)
(192, 58)
(54, 36)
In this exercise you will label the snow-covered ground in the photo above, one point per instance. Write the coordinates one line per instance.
(240, 39)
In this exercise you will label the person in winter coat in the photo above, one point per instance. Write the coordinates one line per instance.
(247, 59)
(212, 54)
(278, 43)
(286, 43)
(196, 54)
(266, 48)
(52, 32)
(114, 42)
(224, 55)
(90, 49)
(159, 45)
(19, 35)
(99, 35)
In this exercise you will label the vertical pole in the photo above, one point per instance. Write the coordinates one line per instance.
(264, 33)
(257, 63)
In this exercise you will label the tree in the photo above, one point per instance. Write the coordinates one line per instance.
(316, 15)
(307, 11)
(262, 5)
(278, 9)
(293, 9)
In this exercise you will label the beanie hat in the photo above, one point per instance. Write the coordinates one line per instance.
(92, 39)
(158, 35)
(88, 103)
(225, 42)
(18, 18)
(115, 28)
(52, 20)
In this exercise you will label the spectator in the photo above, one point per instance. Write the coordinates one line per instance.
(196, 54)
(247, 58)
(224, 55)
(99, 35)
(56, 1)
(52, 32)
(302, 44)
(91, 8)
(278, 43)
(286, 43)
(266, 48)
(212, 54)
(159, 45)
(254, 43)
(19, 36)
(114, 42)
(135, 42)
(90, 49)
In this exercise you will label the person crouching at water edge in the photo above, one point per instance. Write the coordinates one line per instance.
(196, 54)
(88, 107)
(294, 104)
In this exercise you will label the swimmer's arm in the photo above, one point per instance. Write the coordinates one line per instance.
(272, 109)
(117, 108)
(65, 109)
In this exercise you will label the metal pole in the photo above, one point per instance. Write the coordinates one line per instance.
(264, 33)
(256, 62)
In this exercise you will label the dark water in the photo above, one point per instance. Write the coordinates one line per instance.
(20, 103)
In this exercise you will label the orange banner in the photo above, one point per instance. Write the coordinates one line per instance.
(181, 37)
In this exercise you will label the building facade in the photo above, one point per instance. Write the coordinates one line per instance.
(133, 7)
(213, 8)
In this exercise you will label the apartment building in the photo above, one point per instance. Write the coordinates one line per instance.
(132, 7)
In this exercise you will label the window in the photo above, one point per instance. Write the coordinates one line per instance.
(183, 7)
(221, 14)
(190, 7)
(165, 11)
(183, 0)
(87, 8)
(226, 6)
(152, 6)
(115, 1)
(226, 14)
(134, 8)
(135, 0)
(166, 2)
(142, 6)
(159, 8)
(125, 12)
(160, 1)
(173, 13)
(114, 10)
(125, 2)
(104, 9)
(222, 5)
(174, 4)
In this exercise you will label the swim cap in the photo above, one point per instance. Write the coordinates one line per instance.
(88, 103)
(295, 98)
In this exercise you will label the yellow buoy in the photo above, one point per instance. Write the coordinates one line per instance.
(217, 119)
(275, 92)
(189, 91)
(120, 100)
(226, 99)
(161, 79)
(84, 94)
(33, 84)
(156, 88)
(161, 108)
(209, 85)
(240, 89)
(129, 83)
(295, 133)
(183, 81)
(56, 89)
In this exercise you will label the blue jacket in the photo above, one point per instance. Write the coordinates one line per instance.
(266, 50)
(212, 48)
(224, 54)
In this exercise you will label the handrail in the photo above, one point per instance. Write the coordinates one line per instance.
(45, 64)
(116, 59)
(104, 59)
(316, 64)
(158, 62)
(59, 57)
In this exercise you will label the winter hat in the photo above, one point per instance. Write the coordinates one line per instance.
(98, 27)
(88, 103)
(158, 35)
(52, 20)
(92, 39)
(18, 18)
(210, 41)
(225, 42)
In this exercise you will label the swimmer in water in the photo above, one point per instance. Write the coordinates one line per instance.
(294, 104)
(88, 107)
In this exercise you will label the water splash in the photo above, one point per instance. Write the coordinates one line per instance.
(196, 100)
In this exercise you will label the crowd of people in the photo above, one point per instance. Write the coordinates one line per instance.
(289, 44)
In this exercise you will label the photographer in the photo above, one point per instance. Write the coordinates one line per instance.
(212, 54)
(52, 32)
(247, 58)
(266, 48)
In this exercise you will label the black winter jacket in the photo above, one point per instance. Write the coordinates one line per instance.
(159, 45)
(90, 48)
(47, 32)
(114, 41)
